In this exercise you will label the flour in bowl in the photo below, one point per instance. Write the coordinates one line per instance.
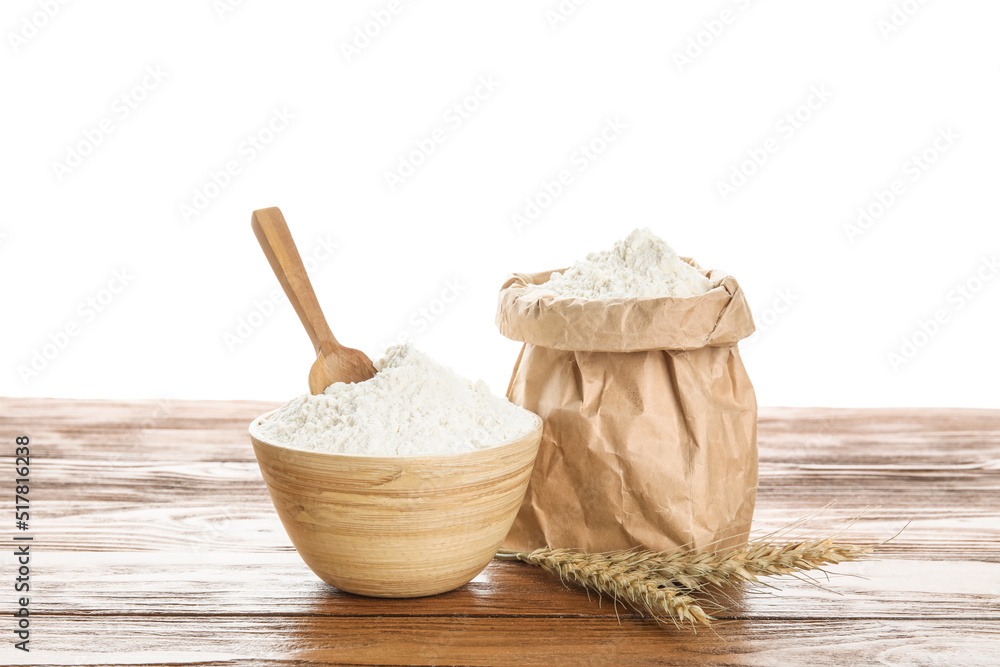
(641, 265)
(412, 407)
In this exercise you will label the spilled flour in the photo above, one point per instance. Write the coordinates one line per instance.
(412, 407)
(641, 265)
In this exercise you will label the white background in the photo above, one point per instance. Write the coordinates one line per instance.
(893, 87)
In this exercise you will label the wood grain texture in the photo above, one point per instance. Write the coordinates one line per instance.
(156, 543)
(428, 640)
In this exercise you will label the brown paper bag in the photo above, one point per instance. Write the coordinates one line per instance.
(650, 435)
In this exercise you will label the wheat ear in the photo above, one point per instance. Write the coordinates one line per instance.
(612, 575)
(657, 583)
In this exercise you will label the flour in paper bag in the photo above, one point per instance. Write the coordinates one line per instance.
(641, 265)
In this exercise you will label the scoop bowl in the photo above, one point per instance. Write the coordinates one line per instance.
(397, 527)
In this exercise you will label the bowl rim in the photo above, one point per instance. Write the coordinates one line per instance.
(487, 451)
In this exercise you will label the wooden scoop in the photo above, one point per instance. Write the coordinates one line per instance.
(334, 362)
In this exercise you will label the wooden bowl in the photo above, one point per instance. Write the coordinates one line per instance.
(397, 526)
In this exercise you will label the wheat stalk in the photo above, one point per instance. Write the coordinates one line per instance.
(657, 583)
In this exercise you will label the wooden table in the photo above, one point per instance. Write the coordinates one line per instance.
(155, 542)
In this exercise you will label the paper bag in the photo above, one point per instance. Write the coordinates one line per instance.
(650, 436)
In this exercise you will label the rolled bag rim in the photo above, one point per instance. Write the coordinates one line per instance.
(719, 318)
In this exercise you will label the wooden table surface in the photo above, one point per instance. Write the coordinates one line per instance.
(155, 543)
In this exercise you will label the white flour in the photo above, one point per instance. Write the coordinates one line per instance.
(642, 265)
(412, 407)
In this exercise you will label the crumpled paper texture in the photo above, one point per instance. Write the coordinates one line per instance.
(650, 436)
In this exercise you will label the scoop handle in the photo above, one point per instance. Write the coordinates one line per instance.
(272, 233)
